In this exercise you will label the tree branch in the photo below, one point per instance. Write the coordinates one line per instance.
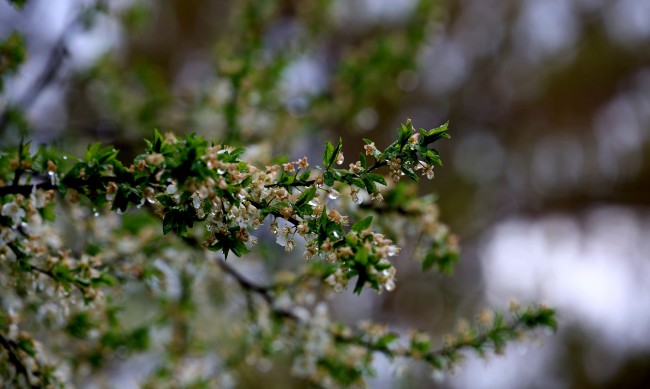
(9, 346)
(25, 190)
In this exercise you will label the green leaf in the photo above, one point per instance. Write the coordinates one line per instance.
(96, 154)
(80, 325)
(361, 224)
(358, 182)
(370, 184)
(121, 201)
(361, 281)
(410, 173)
(27, 345)
(177, 221)
(18, 3)
(404, 133)
(432, 157)
(285, 179)
(323, 219)
(329, 151)
(387, 339)
(306, 196)
(337, 150)
(138, 339)
(168, 224)
(158, 141)
(227, 243)
(246, 182)
(238, 247)
(376, 178)
(304, 176)
(104, 279)
(167, 201)
(435, 134)
(363, 160)
(429, 261)
(443, 263)
(328, 178)
(361, 258)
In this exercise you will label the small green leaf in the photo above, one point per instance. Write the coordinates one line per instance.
(306, 196)
(18, 3)
(376, 178)
(79, 325)
(158, 141)
(410, 173)
(238, 247)
(429, 261)
(361, 281)
(329, 151)
(323, 219)
(166, 201)
(168, 224)
(328, 178)
(387, 339)
(27, 345)
(304, 176)
(104, 279)
(121, 201)
(361, 224)
(363, 160)
(246, 182)
(404, 133)
(337, 150)
(435, 134)
(370, 184)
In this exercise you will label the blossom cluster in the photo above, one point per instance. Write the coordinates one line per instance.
(208, 197)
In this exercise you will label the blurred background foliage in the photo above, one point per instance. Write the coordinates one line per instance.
(547, 175)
